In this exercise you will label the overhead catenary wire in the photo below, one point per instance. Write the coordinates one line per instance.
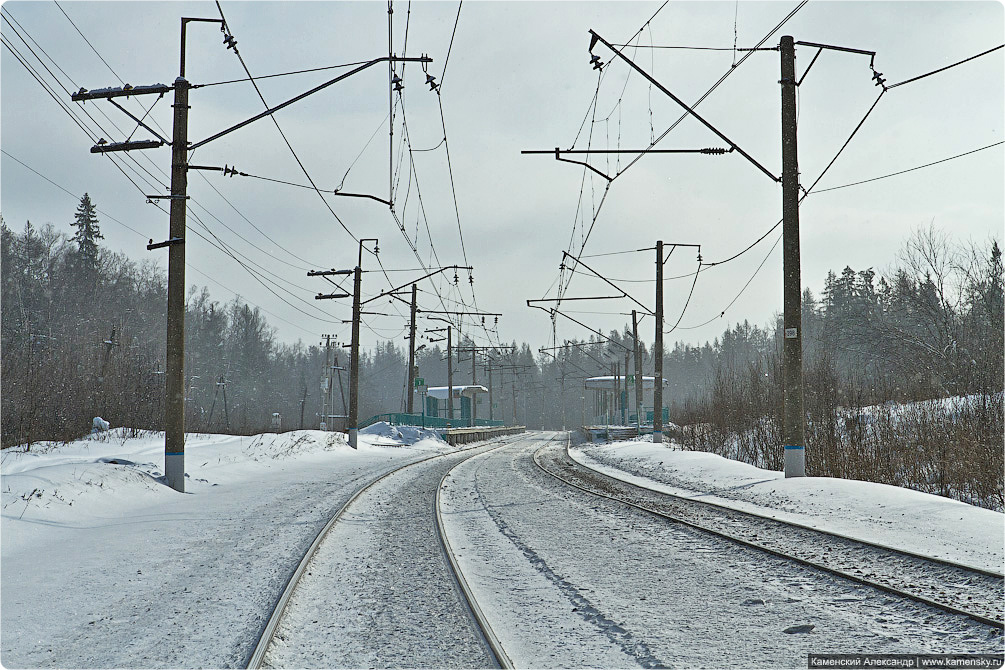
(279, 128)
(947, 67)
(152, 185)
(215, 242)
(564, 284)
(281, 74)
(900, 172)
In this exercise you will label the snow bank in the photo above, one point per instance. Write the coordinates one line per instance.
(909, 520)
(401, 434)
(96, 549)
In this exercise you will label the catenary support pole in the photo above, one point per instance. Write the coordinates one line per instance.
(353, 421)
(491, 411)
(174, 428)
(792, 428)
(411, 354)
(639, 408)
(658, 350)
(450, 380)
(626, 405)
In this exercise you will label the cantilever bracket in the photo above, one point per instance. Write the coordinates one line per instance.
(168, 243)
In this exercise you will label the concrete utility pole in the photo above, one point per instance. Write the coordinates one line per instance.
(626, 411)
(491, 412)
(514, 398)
(638, 374)
(410, 391)
(617, 392)
(174, 413)
(474, 381)
(658, 350)
(450, 382)
(793, 418)
(352, 423)
(174, 437)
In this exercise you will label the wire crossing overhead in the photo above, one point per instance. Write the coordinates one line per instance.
(597, 38)
(557, 152)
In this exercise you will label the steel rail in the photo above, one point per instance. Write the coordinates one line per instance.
(781, 554)
(257, 658)
(478, 616)
(732, 510)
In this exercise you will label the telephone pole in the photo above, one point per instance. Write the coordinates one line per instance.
(658, 350)
(793, 419)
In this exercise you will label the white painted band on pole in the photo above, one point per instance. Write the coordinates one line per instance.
(658, 436)
(353, 438)
(174, 471)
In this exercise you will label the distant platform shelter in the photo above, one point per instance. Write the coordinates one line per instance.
(466, 401)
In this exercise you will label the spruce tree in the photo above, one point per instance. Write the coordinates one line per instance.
(87, 236)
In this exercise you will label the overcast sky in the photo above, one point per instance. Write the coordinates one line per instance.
(518, 77)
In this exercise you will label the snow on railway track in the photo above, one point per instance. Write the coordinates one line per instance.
(379, 586)
(572, 579)
(975, 593)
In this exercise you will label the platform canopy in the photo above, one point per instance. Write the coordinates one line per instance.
(612, 383)
(470, 391)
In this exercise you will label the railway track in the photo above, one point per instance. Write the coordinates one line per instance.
(971, 592)
(257, 658)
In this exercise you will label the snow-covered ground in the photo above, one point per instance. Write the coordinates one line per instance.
(102, 565)
(571, 580)
(888, 515)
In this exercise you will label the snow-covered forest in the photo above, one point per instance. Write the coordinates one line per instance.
(83, 335)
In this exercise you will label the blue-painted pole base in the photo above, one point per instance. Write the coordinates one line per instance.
(795, 461)
(174, 471)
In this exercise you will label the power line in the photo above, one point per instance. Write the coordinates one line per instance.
(716, 84)
(108, 216)
(219, 244)
(684, 116)
(450, 48)
(943, 69)
(69, 192)
(737, 296)
(919, 167)
(276, 122)
(88, 42)
(281, 74)
(656, 46)
(84, 37)
(843, 146)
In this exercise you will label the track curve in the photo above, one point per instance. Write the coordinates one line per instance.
(257, 658)
(900, 573)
